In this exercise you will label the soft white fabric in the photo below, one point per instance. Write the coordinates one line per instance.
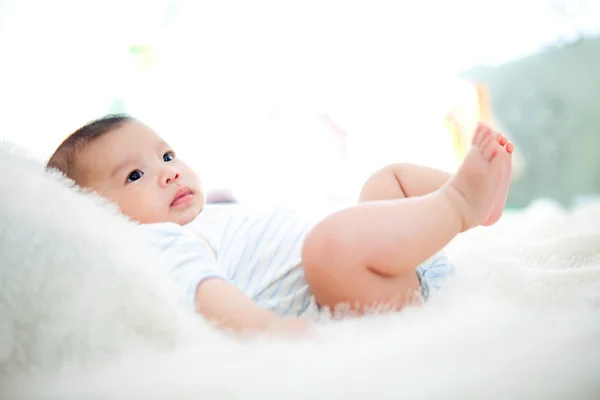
(76, 284)
(83, 317)
(259, 253)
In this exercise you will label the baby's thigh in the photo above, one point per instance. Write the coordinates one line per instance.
(359, 288)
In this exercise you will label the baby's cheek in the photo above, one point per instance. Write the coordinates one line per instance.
(140, 209)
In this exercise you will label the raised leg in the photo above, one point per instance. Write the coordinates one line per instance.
(367, 254)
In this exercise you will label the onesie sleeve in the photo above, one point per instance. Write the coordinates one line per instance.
(187, 259)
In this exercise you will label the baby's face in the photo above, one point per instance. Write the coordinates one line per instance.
(135, 168)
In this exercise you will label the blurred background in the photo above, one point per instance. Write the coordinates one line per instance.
(301, 100)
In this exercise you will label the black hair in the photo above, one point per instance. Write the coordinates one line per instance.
(64, 158)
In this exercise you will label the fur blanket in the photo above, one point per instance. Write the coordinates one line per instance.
(84, 314)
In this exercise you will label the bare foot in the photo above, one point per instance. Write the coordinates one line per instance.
(502, 190)
(476, 186)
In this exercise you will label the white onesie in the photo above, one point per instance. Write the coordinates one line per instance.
(259, 254)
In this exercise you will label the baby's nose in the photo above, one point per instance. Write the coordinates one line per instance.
(169, 174)
(172, 177)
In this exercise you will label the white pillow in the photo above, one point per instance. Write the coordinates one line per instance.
(75, 284)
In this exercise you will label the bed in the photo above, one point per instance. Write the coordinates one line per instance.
(84, 314)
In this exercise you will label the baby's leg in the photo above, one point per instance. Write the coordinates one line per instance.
(367, 254)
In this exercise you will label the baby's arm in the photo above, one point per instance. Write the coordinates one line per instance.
(402, 180)
(229, 308)
(204, 287)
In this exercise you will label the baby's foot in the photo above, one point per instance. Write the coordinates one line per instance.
(500, 201)
(479, 180)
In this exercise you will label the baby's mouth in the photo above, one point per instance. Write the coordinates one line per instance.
(183, 196)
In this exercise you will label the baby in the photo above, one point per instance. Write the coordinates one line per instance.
(251, 273)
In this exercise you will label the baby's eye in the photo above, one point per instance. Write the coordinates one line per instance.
(134, 176)
(169, 156)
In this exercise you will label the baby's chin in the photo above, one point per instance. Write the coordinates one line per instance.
(184, 217)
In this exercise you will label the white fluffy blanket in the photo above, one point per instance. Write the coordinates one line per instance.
(83, 317)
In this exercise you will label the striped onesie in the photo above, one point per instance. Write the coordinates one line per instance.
(259, 254)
